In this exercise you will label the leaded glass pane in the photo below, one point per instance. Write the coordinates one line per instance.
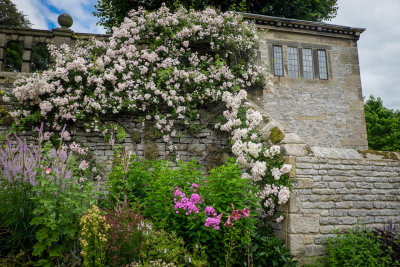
(278, 62)
(307, 63)
(293, 62)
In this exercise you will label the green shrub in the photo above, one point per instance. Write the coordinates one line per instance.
(157, 185)
(269, 250)
(389, 238)
(355, 248)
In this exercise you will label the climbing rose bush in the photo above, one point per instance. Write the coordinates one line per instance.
(162, 67)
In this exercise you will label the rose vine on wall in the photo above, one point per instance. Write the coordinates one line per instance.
(163, 67)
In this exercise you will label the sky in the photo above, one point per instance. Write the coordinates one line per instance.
(378, 47)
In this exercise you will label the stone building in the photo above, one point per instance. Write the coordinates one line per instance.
(317, 87)
(317, 104)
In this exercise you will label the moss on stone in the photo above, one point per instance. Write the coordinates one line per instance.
(150, 132)
(384, 154)
(216, 156)
(309, 150)
(150, 150)
(276, 135)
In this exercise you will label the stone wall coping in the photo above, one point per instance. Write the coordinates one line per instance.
(336, 153)
(351, 154)
(25, 31)
(319, 28)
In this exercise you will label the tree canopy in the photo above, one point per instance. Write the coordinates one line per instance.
(113, 12)
(11, 17)
(383, 125)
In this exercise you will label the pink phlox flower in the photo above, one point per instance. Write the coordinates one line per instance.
(213, 222)
(179, 193)
(195, 198)
(210, 211)
(184, 203)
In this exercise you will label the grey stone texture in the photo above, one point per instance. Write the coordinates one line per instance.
(352, 188)
(326, 113)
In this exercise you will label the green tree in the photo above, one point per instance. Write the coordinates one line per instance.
(11, 17)
(383, 125)
(113, 12)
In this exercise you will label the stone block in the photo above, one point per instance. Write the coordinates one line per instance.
(292, 138)
(336, 153)
(314, 250)
(363, 205)
(383, 185)
(335, 185)
(303, 223)
(295, 150)
(338, 213)
(296, 244)
(308, 239)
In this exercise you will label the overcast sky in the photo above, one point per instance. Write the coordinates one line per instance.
(379, 45)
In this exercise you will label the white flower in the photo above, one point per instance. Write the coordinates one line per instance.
(275, 150)
(276, 173)
(286, 168)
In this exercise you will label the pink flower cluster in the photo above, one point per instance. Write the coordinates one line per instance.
(213, 221)
(184, 203)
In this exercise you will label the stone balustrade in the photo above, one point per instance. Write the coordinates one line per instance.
(29, 38)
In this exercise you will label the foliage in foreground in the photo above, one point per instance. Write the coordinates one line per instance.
(358, 247)
(389, 238)
(383, 125)
(43, 194)
(214, 212)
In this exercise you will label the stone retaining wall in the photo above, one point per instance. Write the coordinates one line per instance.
(336, 189)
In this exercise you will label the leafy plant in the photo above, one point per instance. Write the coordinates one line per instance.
(125, 237)
(182, 200)
(93, 237)
(268, 250)
(355, 248)
(44, 196)
(389, 238)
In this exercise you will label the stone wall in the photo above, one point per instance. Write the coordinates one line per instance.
(323, 112)
(336, 189)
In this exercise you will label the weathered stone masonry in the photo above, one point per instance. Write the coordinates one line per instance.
(336, 189)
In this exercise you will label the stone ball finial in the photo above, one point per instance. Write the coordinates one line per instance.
(65, 20)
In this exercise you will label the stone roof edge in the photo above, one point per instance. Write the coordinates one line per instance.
(303, 25)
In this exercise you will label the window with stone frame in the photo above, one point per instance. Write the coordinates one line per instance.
(278, 60)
